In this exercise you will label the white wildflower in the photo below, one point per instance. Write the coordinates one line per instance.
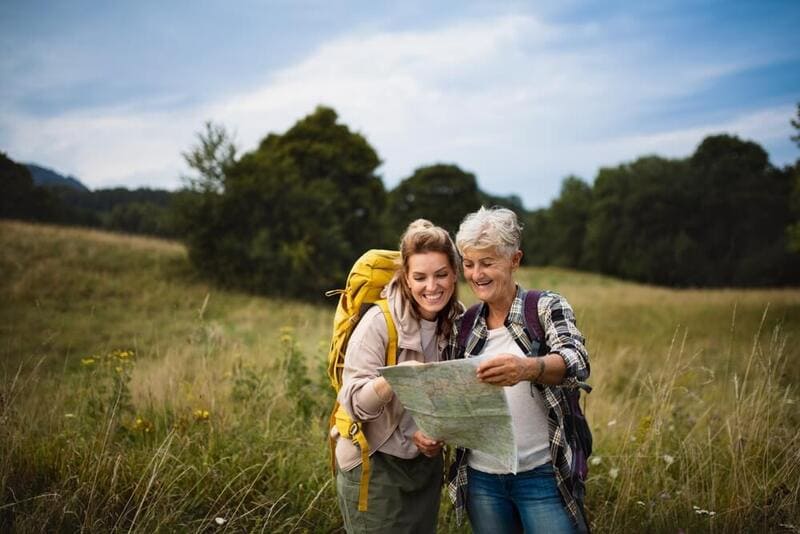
(613, 472)
(220, 520)
(612, 422)
(702, 511)
(668, 459)
(596, 460)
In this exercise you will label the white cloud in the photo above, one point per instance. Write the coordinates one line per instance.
(768, 125)
(107, 147)
(519, 102)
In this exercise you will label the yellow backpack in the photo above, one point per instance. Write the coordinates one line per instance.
(367, 278)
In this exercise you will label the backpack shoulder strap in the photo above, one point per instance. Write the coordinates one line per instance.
(391, 348)
(465, 327)
(531, 313)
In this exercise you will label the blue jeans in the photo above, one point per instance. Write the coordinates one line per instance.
(526, 502)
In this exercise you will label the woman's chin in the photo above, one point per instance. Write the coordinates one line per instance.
(429, 312)
(482, 292)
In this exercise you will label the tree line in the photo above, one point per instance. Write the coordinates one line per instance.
(290, 217)
(721, 217)
(138, 211)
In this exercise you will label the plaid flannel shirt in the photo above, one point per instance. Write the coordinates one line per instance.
(562, 337)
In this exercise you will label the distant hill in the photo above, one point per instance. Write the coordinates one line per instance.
(50, 178)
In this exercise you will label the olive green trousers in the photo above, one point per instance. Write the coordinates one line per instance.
(403, 495)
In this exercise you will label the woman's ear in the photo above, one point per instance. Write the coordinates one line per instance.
(516, 259)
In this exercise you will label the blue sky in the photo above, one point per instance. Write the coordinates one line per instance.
(520, 93)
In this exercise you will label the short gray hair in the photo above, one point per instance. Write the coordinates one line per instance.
(490, 228)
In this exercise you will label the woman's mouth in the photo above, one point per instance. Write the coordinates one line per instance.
(433, 297)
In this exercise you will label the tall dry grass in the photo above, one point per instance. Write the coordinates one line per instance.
(136, 398)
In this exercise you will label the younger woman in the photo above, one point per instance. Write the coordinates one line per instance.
(406, 465)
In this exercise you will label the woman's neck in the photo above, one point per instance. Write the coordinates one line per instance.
(498, 309)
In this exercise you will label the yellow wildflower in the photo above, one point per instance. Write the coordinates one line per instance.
(201, 415)
(142, 425)
(88, 361)
(645, 424)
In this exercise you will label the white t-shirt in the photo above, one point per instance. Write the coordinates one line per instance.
(528, 415)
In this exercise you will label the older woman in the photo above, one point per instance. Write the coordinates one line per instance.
(540, 496)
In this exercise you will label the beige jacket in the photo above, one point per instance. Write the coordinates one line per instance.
(387, 426)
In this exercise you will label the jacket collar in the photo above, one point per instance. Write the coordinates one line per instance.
(516, 315)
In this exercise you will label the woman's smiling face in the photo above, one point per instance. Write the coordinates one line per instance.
(431, 281)
(490, 274)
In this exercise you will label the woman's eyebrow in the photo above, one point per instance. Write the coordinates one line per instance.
(440, 269)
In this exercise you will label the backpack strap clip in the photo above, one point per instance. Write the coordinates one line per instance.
(354, 428)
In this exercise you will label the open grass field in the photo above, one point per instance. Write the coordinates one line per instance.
(134, 397)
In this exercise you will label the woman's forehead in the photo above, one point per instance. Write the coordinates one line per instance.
(426, 260)
(477, 254)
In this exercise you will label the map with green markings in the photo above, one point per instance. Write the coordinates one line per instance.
(448, 403)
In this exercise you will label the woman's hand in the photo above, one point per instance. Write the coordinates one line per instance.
(427, 446)
(506, 370)
(382, 387)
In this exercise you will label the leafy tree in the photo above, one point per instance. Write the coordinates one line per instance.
(290, 217)
(555, 235)
(537, 233)
(635, 218)
(441, 193)
(743, 211)
(512, 202)
(793, 231)
(211, 157)
(20, 198)
(197, 208)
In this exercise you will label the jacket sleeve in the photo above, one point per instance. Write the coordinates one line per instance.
(562, 335)
(366, 351)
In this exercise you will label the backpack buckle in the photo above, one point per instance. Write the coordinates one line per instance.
(353, 429)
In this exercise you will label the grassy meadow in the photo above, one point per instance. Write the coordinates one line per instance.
(135, 397)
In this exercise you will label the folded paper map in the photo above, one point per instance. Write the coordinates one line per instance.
(448, 403)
